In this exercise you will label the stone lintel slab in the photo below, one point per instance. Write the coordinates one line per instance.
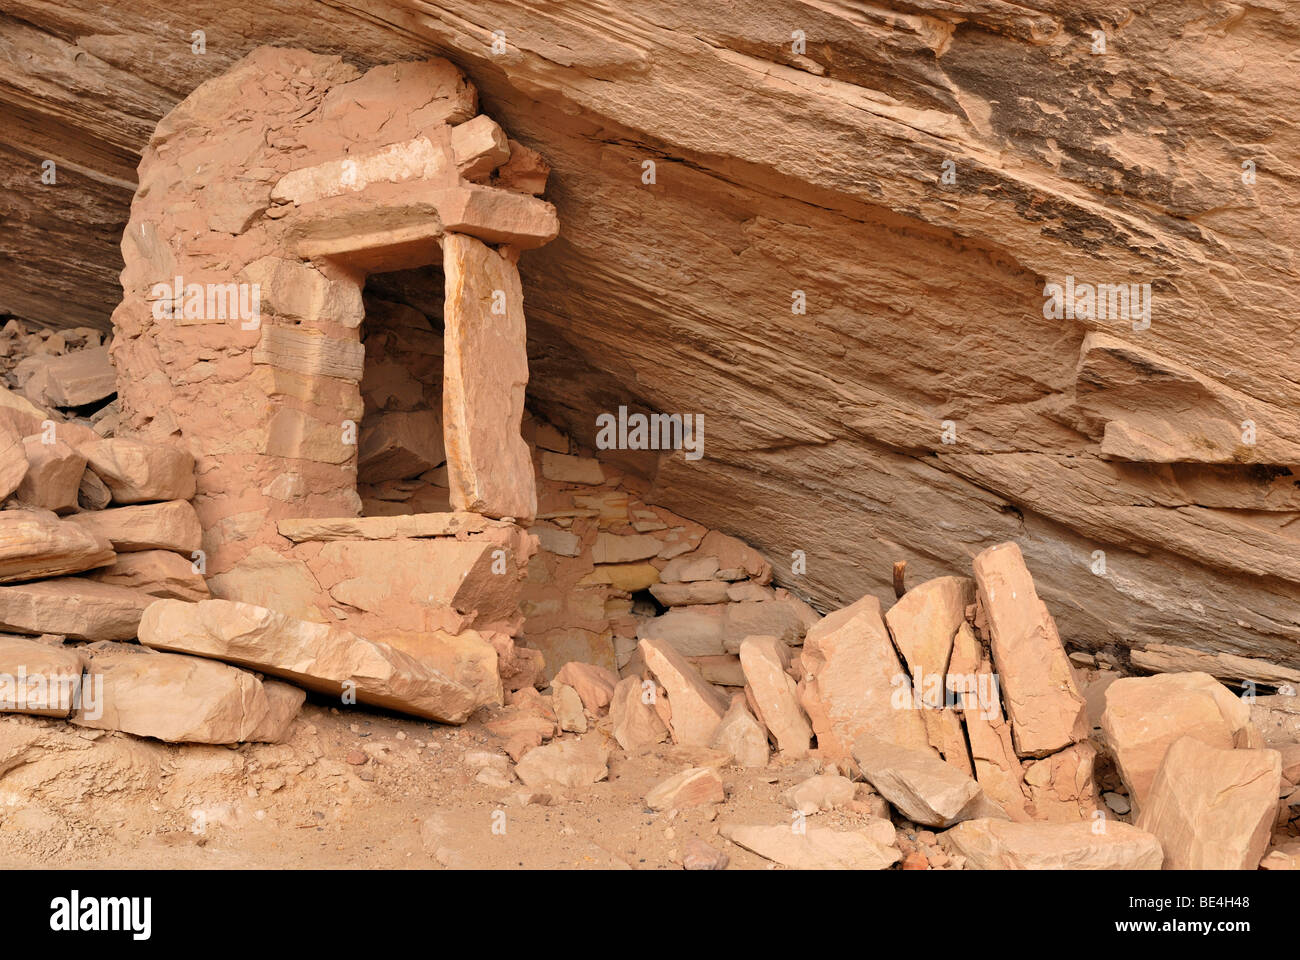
(408, 526)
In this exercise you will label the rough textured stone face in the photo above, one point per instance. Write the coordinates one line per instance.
(488, 464)
(1212, 809)
(1067, 441)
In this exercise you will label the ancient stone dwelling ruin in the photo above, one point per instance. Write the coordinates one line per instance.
(304, 487)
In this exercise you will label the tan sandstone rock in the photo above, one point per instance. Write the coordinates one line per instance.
(1212, 808)
(566, 763)
(741, 736)
(138, 472)
(1004, 845)
(637, 726)
(54, 472)
(159, 573)
(1143, 716)
(73, 607)
(176, 698)
(486, 370)
(923, 788)
(34, 544)
(696, 706)
(850, 675)
(775, 697)
(815, 848)
(38, 677)
(318, 657)
(692, 787)
(1046, 711)
(152, 526)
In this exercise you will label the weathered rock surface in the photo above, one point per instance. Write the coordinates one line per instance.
(570, 763)
(850, 674)
(692, 787)
(35, 544)
(816, 848)
(637, 726)
(137, 472)
(697, 708)
(1004, 845)
(151, 526)
(1046, 711)
(73, 607)
(741, 736)
(312, 655)
(38, 677)
(924, 788)
(54, 472)
(1143, 716)
(159, 573)
(179, 699)
(815, 419)
(774, 695)
(1213, 809)
(488, 465)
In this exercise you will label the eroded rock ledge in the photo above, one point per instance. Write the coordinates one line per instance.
(821, 172)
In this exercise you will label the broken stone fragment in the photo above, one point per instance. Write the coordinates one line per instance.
(775, 698)
(74, 607)
(316, 656)
(924, 788)
(78, 378)
(489, 467)
(1060, 785)
(526, 171)
(151, 526)
(54, 472)
(687, 594)
(1164, 658)
(177, 698)
(1212, 808)
(159, 573)
(692, 787)
(568, 708)
(38, 677)
(13, 459)
(815, 848)
(411, 526)
(820, 792)
(396, 445)
(704, 630)
(610, 548)
(35, 544)
(1143, 716)
(741, 736)
(1046, 711)
(696, 707)
(478, 147)
(594, 684)
(1004, 845)
(92, 494)
(851, 673)
(565, 763)
(923, 624)
(636, 725)
(138, 472)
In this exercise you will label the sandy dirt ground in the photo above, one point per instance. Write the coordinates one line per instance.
(352, 789)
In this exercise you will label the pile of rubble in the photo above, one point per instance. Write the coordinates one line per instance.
(954, 724)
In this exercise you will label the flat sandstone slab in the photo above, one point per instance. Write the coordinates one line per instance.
(1005, 845)
(180, 699)
(316, 656)
(1046, 711)
(388, 528)
(74, 607)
